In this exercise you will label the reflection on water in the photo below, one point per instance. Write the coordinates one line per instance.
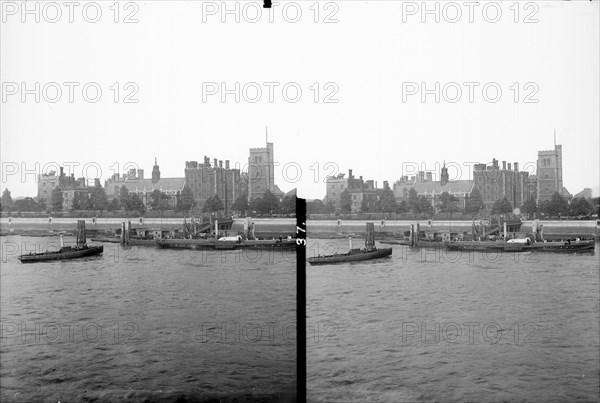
(144, 323)
(431, 325)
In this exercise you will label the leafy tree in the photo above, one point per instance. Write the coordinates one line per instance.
(241, 204)
(7, 201)
(317, 207)
(57, 199)
(256, 205)
(136, 204)
(556, 206)
(288, 205)
(448, 203)
(387, 201)
(596, 205)
(155, 197)
(345, 202)
(80, 201)
(403, 207)
(424, 205)
(365, 206)
(474, 203)
(114, 205)
(125, 199)
(98, 199)
(330, 207)
(26, 204)
(269, 203)
(159, 201)
(413, 200)
(529, 207)
(42, 205)
(501, 207)
(580, 207)
(186, 199)
(213, 205)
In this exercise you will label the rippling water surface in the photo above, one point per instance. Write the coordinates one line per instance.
(435, 326)
(144, 323)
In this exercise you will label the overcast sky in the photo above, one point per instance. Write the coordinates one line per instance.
(369, 57)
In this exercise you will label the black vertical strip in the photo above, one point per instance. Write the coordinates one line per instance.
(301, 297)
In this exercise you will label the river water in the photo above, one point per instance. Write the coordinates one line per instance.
(429, 325)
(144, 323)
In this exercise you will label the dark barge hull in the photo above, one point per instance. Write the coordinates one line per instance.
(132, 241)
(353, 256)
(554, 247)
(64, 255)
(267, 244)
(186, 243)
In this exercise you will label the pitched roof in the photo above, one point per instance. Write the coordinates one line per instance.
(141, 185)
(459, 186)
(277, 191)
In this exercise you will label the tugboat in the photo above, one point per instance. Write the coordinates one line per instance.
(354, 255)
(66, 252)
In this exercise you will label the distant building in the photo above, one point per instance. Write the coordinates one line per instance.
(365, 190)
(549, 174)
(335, 185)
(67, 184)
(261, 171)
(495, 183)
(135, 183)
(585, 193)
(424, 185)
(402, 187)
(46, 184)
(531, 186)
(77, 188)
(206, 180)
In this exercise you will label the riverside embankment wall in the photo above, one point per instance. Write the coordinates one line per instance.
(288, 225)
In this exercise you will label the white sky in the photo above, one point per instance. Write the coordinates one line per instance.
(368, 53)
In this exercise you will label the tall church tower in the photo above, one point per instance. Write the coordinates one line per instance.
(155, 172)
(444, 178)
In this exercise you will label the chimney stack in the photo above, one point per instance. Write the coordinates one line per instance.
(509, 166)
(516, 166)
(504, 165)
(221, 164)
(349, 174)
(216, 163)
(226, 164)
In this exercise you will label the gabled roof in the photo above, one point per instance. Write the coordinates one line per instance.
(277, 191)
(460, 186)
(141, 185)
(291, 193)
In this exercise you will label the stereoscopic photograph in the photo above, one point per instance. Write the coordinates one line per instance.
(289, 201)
